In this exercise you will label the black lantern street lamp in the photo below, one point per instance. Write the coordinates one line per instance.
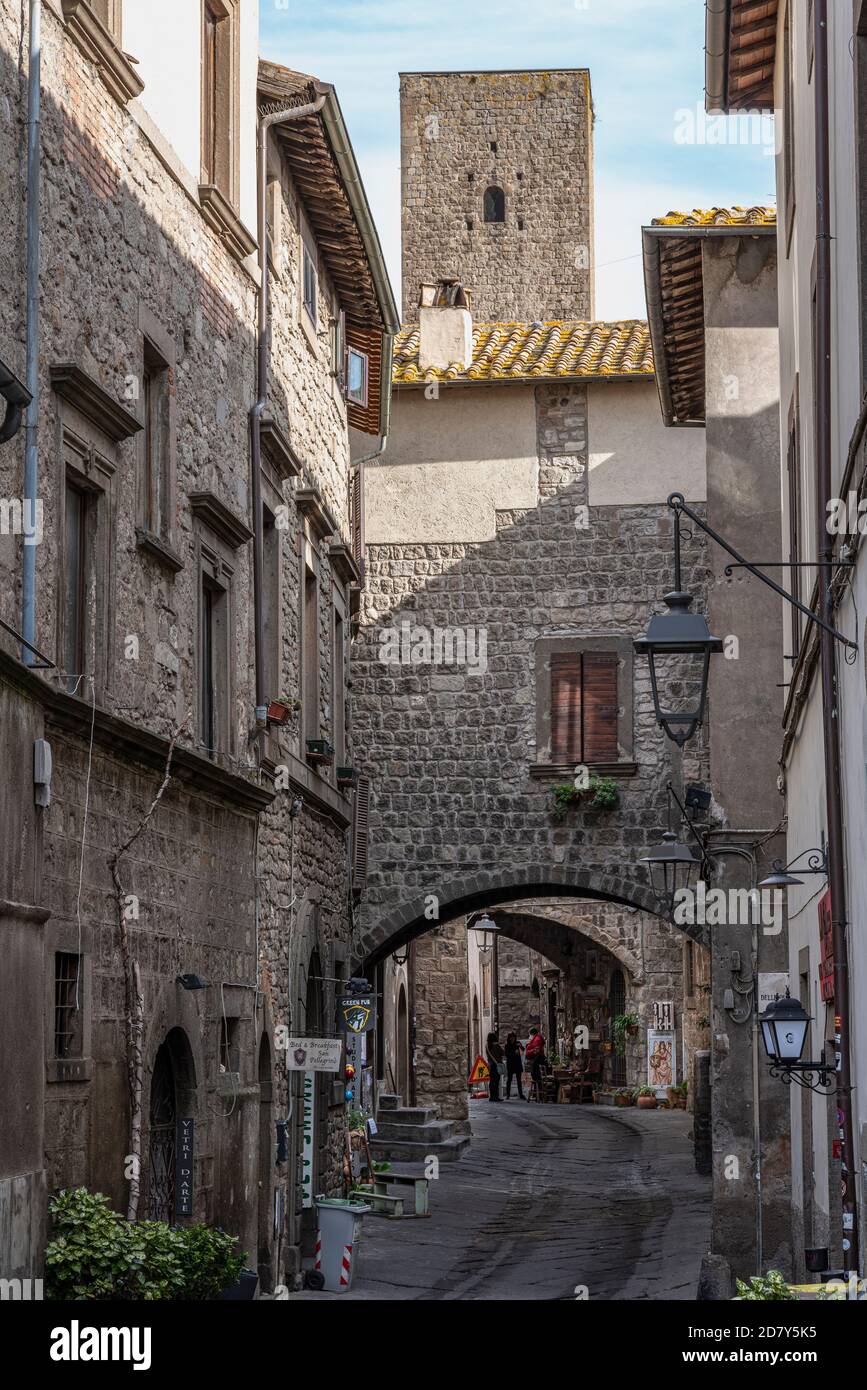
(485, 928)
(784, 1031)
(672, 865)
(679, 633)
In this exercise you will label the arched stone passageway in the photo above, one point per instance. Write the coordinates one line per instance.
(381, 936)
(572, 946)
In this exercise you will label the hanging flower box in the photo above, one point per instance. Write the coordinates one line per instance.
(347, 777)
(279, 712)
(319, 750)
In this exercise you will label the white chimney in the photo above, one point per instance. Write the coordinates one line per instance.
(445, 327)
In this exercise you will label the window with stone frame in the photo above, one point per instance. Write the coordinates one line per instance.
(494, 204)
(220, 97)
(68, 1005)
(157, 442)
(310, 653)
(85, 566)
(583, 701)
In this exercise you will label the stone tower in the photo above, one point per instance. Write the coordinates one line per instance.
(497, 185)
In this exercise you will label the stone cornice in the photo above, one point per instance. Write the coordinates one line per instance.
(131, 741)
(24, 912)
(222, 218)
(311, 505)
(97, 44)
(344, 563)
(208, 508)
(74, 384)
(280, 452)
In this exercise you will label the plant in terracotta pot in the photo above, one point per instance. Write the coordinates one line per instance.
(623, 1097)
(646, 1098)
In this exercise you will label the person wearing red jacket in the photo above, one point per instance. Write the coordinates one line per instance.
(534, 1055)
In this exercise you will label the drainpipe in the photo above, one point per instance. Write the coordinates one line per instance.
(296, 113)
(31, 431)
(830, 707)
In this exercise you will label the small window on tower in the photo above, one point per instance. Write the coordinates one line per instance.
(493, 147)
(495, 204)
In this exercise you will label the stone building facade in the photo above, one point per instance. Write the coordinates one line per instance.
(238, 880)
(497, 190)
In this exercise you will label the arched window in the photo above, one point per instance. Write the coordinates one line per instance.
(495, 204)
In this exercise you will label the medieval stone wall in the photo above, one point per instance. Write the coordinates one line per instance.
(528, 133)
(126, 251)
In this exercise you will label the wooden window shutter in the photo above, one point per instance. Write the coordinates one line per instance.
(566, 707)
(600, 707)
(356, 507)
(360, 823)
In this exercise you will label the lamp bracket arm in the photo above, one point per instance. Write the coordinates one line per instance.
(678, 504)
(706, 861)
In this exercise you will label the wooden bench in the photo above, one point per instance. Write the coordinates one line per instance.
(402, 1178)
(381, 1201)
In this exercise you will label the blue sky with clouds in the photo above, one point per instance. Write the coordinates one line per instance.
(653, 150)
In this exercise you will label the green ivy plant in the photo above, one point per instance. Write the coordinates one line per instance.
(763, 1287)
(603, 794)
(97, 1255)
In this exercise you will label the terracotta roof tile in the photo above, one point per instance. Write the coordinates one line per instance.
(719, 217)
(551, 351)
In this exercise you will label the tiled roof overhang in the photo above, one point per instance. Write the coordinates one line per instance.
(520, 352)
(674, 288)
(320, 158)
(740, 53)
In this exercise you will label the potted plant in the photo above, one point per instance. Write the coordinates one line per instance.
(319, 750)
(624, 1026)
(677, 1096)
(281, 711)
(645, 1098)
(623, 1097)
(602, 793)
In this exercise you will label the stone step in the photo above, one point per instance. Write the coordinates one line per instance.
(388, 1101)
(431, 1132)
(408, 1115)
(412, 1150)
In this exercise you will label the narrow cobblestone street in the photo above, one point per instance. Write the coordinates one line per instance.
(548, 1198)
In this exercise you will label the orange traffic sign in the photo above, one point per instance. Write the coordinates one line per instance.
(480, 1072)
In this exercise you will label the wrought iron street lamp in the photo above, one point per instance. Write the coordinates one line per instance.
(672, 865)
(779, 877)
(685, 635)
(784, 1031)
(485, 928)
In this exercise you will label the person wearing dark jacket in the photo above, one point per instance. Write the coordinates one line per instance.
(496, 1066)
(514, 1064)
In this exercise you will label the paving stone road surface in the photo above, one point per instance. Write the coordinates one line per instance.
(548, 1198)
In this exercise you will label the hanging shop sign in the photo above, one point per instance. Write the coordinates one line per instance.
(663, 1016)
(661, 1059)
(184, 1153)
(314, 1054)
(826, 947)
(356, 1013)
(308, 1137)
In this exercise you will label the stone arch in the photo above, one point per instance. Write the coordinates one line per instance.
(480, 890)
(532, 929)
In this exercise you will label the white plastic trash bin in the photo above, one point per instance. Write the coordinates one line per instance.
(337, 1235)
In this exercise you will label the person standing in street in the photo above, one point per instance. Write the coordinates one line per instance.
(535, 1055)
(496, 1065)
(514, 1064)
